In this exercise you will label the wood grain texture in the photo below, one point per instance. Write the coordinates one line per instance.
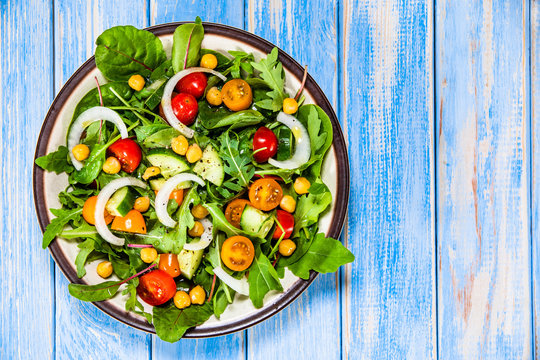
(309, 328)
(484, 292)
(386, 100)
(535, 168)
(27, 302)
(228, 12)
(82, 330)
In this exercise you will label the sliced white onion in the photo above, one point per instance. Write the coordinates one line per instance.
(302, 143)
(162, 197)
(167, 94)
(97, 113)
(241, 286)
(102, 199)
(206, 237)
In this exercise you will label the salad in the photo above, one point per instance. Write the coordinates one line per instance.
(193, 179)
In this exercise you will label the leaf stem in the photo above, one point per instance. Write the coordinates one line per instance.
(142, 118)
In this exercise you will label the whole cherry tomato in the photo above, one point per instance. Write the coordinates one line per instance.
(156, 287)
(185, 108)
(128, 152)
(287, 222)
(193, 84)
(265, 144)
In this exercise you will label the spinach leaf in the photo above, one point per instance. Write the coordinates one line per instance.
(121, 267)
(311, 206)
(237, 162)
(145, 131)
(212, 117)
(262, 278)
(221, 301)
(171, 323)
(56, 161)
(63, 217)
(324, 255)
(86, 248)
(162, 138)
(123, 51)
(186, 48)
(91, 98)
(99, 292)
(272, 73)
(92, 165)
(223, 61)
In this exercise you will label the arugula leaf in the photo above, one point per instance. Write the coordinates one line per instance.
(132, 303)
(92, 165)
(186, 48)
(324, 255)
(75, 197)
(99, 292)
(86, 248)
(56, 161)
(262, 278)
(121, 267)
(91, 98)
(63, 217)
(84, 231)
(311, 206)
(221, 299)
(215, 117)
(320, 132)
(272, 73)
(237, 163)
(241, 61)
(172, 323)
(221, 224)
(123, 51)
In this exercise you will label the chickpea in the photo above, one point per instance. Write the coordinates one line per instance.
(81, 152)
(142, 204)
(290, 106)
(181, 300)
(136, 82)
(213, 96)
(104, 269)
(287, 247)
(149, 255)
(301, 185)
(197, 295)
(288, 203)
(180, 145)
(197, 229)
(151, 172)
(194, 153)
(209, 61)
(112, 165)
(199, 212)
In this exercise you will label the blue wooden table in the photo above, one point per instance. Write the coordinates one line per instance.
(438, 103)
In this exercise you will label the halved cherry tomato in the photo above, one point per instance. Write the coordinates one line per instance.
(156, 287)
(265, 194)
(233, 212)
(128, 152)
(133, 222)
(185, 108)
(237, 253)
(177, 195)
(89, 211)
(236, 94)
(265, 144)
(287, 222)
(193, 84)
(169, 264)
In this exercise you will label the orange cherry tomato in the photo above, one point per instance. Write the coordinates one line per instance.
(169, 264)
(178, 196)
(236, 94)
(265, 194)
(156, 287)
(89, 211)
(237, 253)
(233, 212)
(133, 222)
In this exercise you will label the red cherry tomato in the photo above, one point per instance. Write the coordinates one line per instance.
(185, 108)
(287, 221)
(156, 287)
(128, 152)
(193, 84)
(265, 139)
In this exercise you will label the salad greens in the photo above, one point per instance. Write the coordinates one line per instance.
(151, 207)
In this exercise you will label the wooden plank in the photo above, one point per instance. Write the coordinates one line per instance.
(484, 264)
(310, 327)
(82, 330)
(386, 107)
(27, 276)
(231, 13)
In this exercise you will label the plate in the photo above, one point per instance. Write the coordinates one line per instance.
(240, 314)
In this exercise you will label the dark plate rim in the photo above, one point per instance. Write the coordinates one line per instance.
(338, 218)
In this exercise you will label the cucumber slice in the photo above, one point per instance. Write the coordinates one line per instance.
(210, 167)
(256, 221)
(121, 202)
(167, 161)
(189, 262)
(285, 140)
(157, 184)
